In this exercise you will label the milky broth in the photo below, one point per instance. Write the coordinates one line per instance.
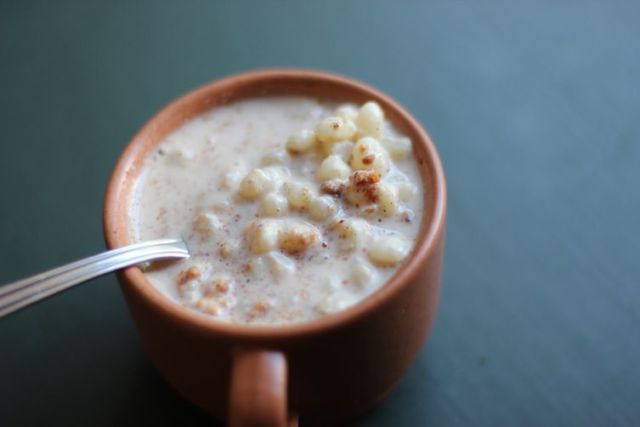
(276, 233)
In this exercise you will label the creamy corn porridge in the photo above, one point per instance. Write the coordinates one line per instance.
(292, 208)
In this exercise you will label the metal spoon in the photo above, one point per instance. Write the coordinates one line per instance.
(16, 295)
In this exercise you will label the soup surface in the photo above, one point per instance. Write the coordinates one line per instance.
(292, 208)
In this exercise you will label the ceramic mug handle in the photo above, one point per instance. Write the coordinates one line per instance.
(258, 394)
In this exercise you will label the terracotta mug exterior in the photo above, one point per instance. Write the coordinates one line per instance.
(325, 371)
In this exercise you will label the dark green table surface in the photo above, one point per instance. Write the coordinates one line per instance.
(534, 106)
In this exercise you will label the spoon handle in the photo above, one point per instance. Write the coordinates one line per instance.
(17, 295)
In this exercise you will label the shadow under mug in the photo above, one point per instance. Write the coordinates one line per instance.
(326, 370)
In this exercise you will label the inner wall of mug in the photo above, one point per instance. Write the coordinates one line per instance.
(224, 92)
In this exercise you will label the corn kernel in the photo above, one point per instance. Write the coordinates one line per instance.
(337, 301)
(301, 141)
(299, 195)
(280, 265)
(387, 199)
(206, 224)
(296, 237)
(333, 167)
(273, 204)
(347, 112)
(361, 274)
(370, 120)
(228, 248)
(262, 235)
(179, 156)
(399, 148)
(220, 285)
(335, 129)
(353, 231)
(369, 154)
(277, 157)
(208, 306)
(231, 179)
(362, 188)
(322, 208)
(387, 251)
(256, 183)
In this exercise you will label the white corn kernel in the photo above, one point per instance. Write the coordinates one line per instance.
(406, 191)
(191, 275)
(299, 195)
(347, 112)
(335, 129)
(256, 183)
(387, 199)
(208, 306)
(370, 120)
(231, 180)
(277, 157)
(387, 251)
(354, 231)
(399, 148)
(337, 301)
(363, 187)
(361, 274)
(333, 167)
(301, 141)
(369, 154)
(280, 265)
(219, 285)
(273, 204)
(178, 156)
(334, 187)
(205, 224)
(296, 237)
(228, 248)
(322, 208)
(262, 235)
(342, 149)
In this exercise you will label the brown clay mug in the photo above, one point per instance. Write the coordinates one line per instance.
(325, 371)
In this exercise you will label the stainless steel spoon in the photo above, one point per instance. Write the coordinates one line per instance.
(16, 295)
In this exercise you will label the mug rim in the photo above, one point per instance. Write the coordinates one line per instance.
(116, 224)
